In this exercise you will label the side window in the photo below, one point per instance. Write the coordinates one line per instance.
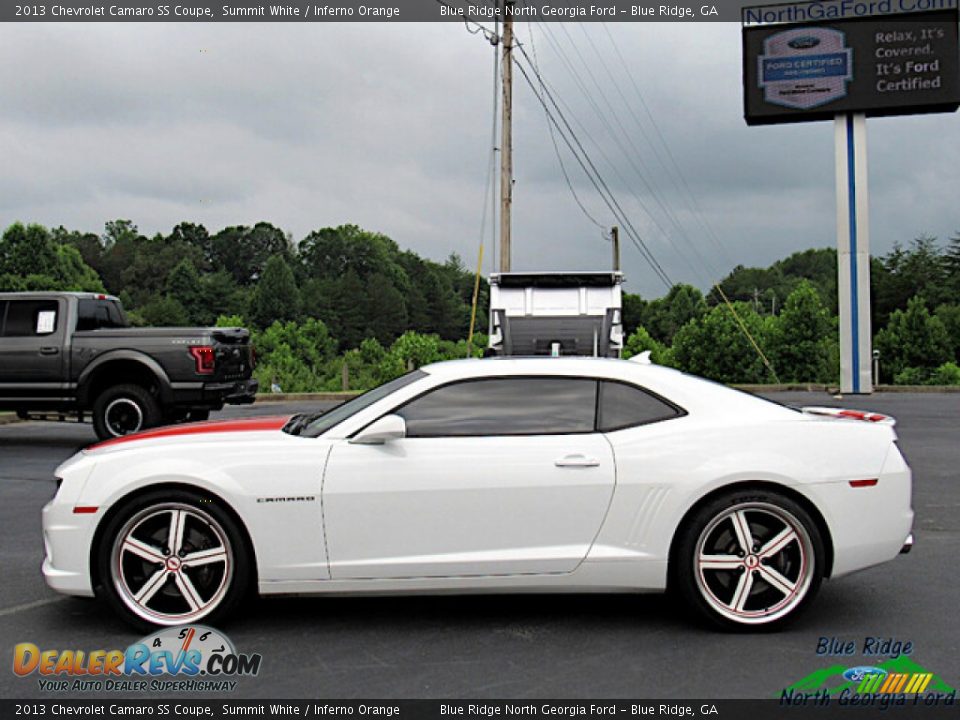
(622, 406)
(504, 406)
(26, 318)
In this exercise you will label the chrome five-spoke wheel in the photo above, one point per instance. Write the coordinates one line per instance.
(750, 560)
(172, 563)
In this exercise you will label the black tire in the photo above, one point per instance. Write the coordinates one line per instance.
(124, 409)
(219, 587)
(763, 588)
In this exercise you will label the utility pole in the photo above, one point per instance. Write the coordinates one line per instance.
(506, 141)
(615, 241)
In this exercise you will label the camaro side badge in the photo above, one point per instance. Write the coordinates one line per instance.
(297, 498)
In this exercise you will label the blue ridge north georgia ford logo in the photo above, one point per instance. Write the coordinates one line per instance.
(805, 68)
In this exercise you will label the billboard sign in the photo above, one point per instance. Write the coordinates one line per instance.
(893, 64)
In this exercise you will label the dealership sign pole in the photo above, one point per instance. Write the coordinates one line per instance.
(845, 61)
(853, 253)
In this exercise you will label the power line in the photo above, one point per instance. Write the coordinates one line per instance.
(698, 212)
(626, 153)
(583, 158)
(556, 148)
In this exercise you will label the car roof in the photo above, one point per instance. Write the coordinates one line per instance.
(573, 365)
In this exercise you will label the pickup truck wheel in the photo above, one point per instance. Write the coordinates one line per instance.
(124, 409)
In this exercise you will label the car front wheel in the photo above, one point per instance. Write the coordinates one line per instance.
(750, 560)
(173, 557)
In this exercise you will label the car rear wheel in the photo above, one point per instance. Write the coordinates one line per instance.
(173, 557)
(124, 409)
(749, 560)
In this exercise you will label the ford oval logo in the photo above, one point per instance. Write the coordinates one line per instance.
(856, 674)
(805, 42)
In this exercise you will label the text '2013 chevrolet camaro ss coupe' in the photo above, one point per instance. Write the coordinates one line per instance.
(497, 475)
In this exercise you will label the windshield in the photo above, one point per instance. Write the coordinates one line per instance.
(314, 424)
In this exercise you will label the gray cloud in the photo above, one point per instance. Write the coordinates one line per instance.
(388, 126)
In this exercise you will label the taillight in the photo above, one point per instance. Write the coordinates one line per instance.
(204, 357)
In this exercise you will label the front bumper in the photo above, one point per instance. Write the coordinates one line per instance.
(66, 543)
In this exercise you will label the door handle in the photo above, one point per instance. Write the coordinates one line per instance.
(576, 460)
(49, 350)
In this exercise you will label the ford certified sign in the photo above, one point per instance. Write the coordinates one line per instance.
(884, 65)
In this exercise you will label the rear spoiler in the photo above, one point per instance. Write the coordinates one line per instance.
(843, 414)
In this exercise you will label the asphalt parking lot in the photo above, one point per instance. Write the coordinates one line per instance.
(519, 646)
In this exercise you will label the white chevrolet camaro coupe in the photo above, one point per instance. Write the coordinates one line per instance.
(496, 475)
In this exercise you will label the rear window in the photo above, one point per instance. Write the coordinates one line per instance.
(29, 318)
(622, 406)
(97, 314)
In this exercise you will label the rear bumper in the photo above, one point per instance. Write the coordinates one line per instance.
(215, 394)
(243, 392)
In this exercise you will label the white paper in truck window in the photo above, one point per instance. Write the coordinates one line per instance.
(46, 321)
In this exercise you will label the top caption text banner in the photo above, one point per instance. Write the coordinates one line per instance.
(482, 11)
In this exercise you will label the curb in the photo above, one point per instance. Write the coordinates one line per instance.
(834, 390)
(299, 397)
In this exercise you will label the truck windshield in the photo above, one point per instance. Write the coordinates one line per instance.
(96, 314)
(314, 424)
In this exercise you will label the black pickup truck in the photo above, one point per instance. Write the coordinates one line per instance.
(66, 354)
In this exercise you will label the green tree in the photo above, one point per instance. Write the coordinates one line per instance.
(27, 250)
(275, 297)
(906, 272)
(164, 311)
(295, 355)
(951, 266)
(183, 283)
(640, 341)
(386, 309)
(912, 339)
(664, 316)
(632, 308)
(802, 338)
(220, 295)
(715, 346)
(949, 315)
(244, 251)
(30, 259)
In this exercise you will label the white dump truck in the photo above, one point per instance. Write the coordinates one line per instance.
(556, 313)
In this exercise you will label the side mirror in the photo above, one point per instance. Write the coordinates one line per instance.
(387, 428)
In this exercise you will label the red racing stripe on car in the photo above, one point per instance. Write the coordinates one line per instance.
(273, 422)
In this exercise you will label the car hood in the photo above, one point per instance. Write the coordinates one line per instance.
(272, 423)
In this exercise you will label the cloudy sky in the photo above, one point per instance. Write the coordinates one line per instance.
(388, 126)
